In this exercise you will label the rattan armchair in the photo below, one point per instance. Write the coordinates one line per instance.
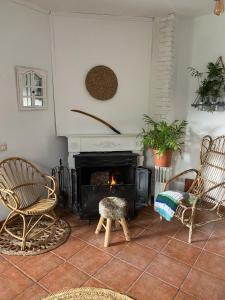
(208, 186)
(29, 195)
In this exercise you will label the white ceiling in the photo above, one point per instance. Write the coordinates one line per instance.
(148, 8)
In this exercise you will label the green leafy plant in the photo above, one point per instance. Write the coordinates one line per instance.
(162, 136)
(211, 85)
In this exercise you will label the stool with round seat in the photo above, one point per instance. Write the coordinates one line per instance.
(112, 209)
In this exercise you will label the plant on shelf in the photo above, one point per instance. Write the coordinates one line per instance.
(211, 90)
(163, 138)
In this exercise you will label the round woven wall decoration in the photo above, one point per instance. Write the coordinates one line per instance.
(101, 83)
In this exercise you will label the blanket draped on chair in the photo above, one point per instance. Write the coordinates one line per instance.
(167, 202)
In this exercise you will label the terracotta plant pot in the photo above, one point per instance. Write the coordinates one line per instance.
(163, 160)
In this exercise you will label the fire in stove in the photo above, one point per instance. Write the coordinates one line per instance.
(112, 180)
(107, 177)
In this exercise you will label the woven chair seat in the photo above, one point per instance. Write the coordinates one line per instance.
(40, 207)
(113, 208)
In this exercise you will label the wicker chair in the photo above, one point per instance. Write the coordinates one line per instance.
(29, 195)
(208, 186)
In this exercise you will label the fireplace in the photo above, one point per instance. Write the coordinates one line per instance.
(101, 174)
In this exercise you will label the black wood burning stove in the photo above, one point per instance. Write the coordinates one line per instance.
(101, 174)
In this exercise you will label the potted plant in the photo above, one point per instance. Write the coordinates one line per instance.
(163, 138)
(211, 90)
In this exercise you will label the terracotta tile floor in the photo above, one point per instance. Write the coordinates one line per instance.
(158, 264)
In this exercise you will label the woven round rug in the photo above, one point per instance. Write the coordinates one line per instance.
(88, 293)
(101, 83)
(45, 241)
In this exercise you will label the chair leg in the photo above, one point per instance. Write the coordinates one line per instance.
(190, 235)
(6, 220)
(191, 225)
(99, 226)
(125, 229)
(23, 243)
(54, 215)
(107, 233)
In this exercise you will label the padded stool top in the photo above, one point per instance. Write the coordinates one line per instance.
(113, 207)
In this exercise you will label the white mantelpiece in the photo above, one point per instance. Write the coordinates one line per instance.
(101, 143)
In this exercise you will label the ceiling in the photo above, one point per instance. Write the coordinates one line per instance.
(148, 8)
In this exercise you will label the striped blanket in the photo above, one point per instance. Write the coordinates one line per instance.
(166, 203)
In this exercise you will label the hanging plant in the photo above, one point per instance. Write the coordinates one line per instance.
(211, 91)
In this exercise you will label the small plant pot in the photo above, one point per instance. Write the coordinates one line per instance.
(163, 160)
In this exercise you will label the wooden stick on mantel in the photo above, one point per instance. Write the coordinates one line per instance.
(96, 118)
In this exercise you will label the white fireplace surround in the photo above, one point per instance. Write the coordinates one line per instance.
(101, 143)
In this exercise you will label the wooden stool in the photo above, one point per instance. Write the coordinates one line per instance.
(112, 209)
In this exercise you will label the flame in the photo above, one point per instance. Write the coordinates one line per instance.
(112, 181)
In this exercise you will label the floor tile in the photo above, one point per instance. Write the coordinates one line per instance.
(168, 270)
(134, 231)
(79, 228)
(203, 216)
(208, 228)
(70, 247)
(148, 287)
(14, 259)
(117, 242)
(204, 286)
(153, 240)
(164, 228)
(137, 255)
(199, 238)
(75, 221)
(37, 267)
(34, 292)
(155, 217)
(219, 229)
(95, 283)
(164, 272)
(90, 259)
(63, 277)
(182, 251)
(183, 296)
(147, 210)
(12, 283)
(4, 265)
(87, 235)
(118, 275)
(211, 263)
(216, 245)
(143, 220)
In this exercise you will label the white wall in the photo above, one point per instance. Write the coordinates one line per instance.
(82, 42)
(25, 40)
(199, 41)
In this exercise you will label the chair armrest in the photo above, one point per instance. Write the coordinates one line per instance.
(14, 205)
(53, 182)
(179, 175)
(211, 189)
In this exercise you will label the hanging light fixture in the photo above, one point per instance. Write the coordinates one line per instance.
(219, 7)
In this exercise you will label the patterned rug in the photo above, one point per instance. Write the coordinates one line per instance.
(45, 241)
(88, 293)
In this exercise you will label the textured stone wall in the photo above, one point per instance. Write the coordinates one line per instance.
(163, 69)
